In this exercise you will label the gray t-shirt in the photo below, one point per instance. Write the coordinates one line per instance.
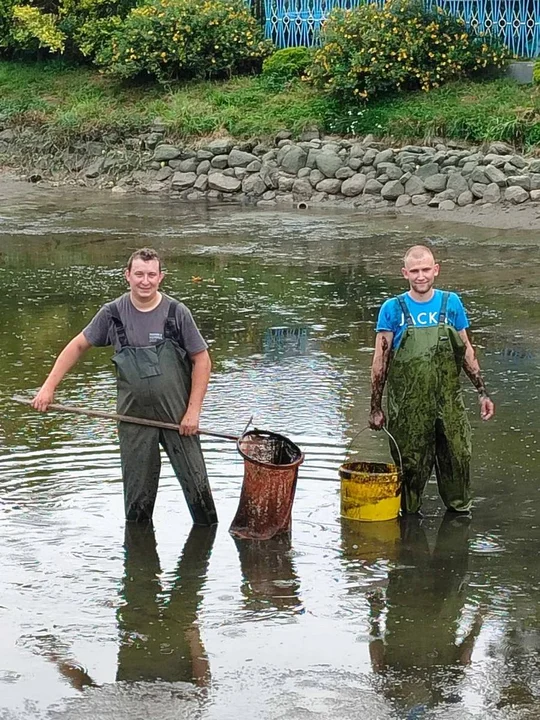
(144, 328)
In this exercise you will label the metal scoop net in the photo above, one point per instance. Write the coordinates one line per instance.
(271, 463)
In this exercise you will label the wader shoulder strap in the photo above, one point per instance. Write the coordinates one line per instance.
(171, 328)
(444, 305)
(118, 324)
(406, 314)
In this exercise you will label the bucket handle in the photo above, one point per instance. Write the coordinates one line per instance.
(392, 438)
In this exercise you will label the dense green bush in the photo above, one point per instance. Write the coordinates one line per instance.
(170, 39)
(69, 27)
(536, 72)
(371, 51)
(286, 65)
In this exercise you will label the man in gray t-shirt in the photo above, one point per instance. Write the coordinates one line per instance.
(163, 368)
(144, 328)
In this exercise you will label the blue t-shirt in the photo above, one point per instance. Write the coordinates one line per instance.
(424, 314)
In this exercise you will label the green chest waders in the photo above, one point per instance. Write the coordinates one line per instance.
(426, 414)
(155, 382)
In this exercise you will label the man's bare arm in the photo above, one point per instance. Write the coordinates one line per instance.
(200, 375)
(73, 351)
(473, 372)
(379, 372)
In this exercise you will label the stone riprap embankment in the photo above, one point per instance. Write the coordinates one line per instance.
(357, 172)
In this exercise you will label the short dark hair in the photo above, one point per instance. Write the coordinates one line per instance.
(145, 254)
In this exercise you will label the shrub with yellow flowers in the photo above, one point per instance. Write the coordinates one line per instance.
(371, 51)
(59, 27)
(172, 39)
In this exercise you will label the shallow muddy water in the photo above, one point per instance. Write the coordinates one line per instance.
(437, 618)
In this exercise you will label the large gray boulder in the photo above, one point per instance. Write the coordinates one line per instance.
(302, 189)
(354, 185)
(224, 183)
(427, 170)
(478, 190)
(183, 181)
(516, 195)
(478, 175)
(221, 146)
(285, 183)
(370, 156)
(465, 198)
(164, 153)
(372, 187)
(253, 185)
(384, 156)
(457, 182)
(523, 181)
(500, 148)
(189, 165)
(292, 159)
(201, 183)
(391, 170)
(494, 175)
(436, 183)
(239, 158)
(492, 193)
(414, 186)
(518, 161)
(392, 190)
(344, 173)
(328, 162)
(402, 201)
(421, 199)
(220, 162)
(329, 185)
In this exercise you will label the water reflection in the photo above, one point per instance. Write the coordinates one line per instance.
(269, 579)
(416, 644)
(266, 277)
(159, 634)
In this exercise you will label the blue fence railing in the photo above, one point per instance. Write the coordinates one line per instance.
(298, 22)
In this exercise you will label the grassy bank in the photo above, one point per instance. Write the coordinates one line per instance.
(73, 101)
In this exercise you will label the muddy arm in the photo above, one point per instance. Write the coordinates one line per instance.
(379, 372)
(472, 370)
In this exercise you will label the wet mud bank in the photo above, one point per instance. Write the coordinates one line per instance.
(360, 173)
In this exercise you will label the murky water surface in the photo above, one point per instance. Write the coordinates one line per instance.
(438, 620)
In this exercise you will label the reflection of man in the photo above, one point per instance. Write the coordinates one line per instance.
(419, 654)
(159, 636)
(163, 368)
(269, 577)
(422, 345)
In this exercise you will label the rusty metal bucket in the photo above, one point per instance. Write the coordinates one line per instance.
(271, 463)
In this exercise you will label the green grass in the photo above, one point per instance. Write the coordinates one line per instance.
(74, 101)
(476, 111)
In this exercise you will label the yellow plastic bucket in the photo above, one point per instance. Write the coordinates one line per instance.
(370, 491)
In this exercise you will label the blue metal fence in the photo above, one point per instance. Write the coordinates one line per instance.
(298, 22)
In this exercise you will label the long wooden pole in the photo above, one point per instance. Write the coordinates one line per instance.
(123, 418)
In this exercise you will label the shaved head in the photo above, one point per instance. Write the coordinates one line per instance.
(420, 269)
(417, 252)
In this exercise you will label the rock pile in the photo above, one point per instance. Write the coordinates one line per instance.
(357, 172)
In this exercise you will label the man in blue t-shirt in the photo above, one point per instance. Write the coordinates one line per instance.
(421, 347)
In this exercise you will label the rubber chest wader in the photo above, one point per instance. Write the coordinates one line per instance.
(155, 382)
(426, 414)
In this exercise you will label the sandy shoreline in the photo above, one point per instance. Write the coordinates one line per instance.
(501, 217)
